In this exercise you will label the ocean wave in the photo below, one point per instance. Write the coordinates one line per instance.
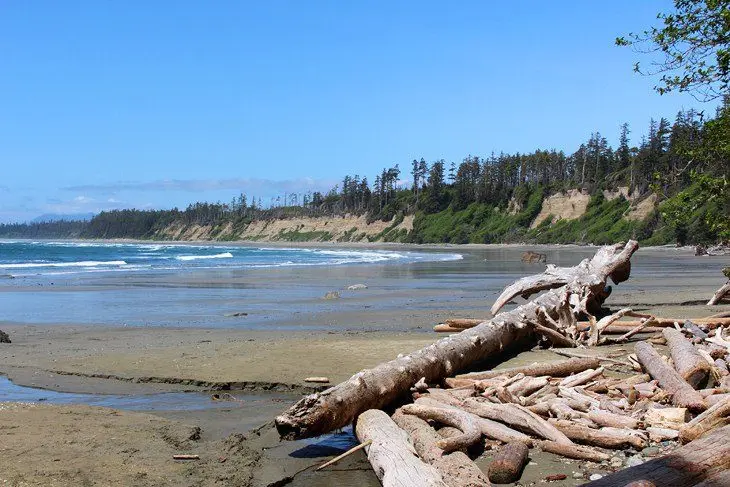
(224, 255)
(84, 263)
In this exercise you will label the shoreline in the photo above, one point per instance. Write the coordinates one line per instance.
(237, 444)
(329, 243)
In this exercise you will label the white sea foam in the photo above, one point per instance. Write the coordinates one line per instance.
(84, 263)
(224, 255)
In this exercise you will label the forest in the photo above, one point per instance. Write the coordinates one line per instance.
(494, 198)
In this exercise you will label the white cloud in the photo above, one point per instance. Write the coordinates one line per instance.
(244, 185)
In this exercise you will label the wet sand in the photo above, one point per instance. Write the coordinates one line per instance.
(178, 337)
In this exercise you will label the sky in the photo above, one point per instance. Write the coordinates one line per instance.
(159, 104)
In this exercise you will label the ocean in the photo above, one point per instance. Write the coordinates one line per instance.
(24, 258)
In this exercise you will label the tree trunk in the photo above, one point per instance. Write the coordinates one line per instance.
(682, 393)
(393, 459)
(688, 362)
(377, 387)
(687, 466)
(507, 465)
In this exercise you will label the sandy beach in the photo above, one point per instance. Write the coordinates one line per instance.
(140, 334)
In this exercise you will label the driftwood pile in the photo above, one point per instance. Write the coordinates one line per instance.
(423, 422)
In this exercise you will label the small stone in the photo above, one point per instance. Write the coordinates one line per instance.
(616, 462)
(635, 460)
(595, 476)
(356, 287)
(650, 451)
(577, 475)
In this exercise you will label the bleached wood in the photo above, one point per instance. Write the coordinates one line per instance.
(517, 416)
(561, 368)
(491, 429)
(471, 433)
(606, 437)
(393, 458)
(683, 395)
(687, 361)
(716, 415)
(456, 468)
(687, 466)
(719, 294)
(377, 387)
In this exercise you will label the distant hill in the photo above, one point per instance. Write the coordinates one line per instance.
(56, 217)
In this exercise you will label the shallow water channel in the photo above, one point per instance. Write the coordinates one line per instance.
(158, 401)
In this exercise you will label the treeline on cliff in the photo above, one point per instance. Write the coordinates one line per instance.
(685, 162)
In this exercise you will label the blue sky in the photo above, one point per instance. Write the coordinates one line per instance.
(158, 104)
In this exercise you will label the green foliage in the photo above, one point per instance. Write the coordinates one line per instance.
(297, 236)
(701, 212)
(695, 43)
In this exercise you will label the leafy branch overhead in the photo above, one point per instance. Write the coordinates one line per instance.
(692, 46)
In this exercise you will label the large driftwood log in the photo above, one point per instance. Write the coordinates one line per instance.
(687, 466)
(562, 368)
(456, 468)
(682, 393)
(377, 387)
(689, 363)
(393, 458)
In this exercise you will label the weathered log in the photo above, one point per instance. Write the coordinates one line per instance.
(719, 479)
(393, 458)
(673, 418)
(528, 385)
(508, 463)
(471, 433)
(377, 387)
(491, 429)
(562, 368)
(576, 452)
(716, 415)
(660, 434)
(464, 322)
(605, 418)
(687, 466)
(456, 468)
(444, 328)
(716, 398)
(581, 377)
(719, 294)
(687, 361)
(517, 416)
(683, 395)
(662, 322)
(649, 322)
(604, 437)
